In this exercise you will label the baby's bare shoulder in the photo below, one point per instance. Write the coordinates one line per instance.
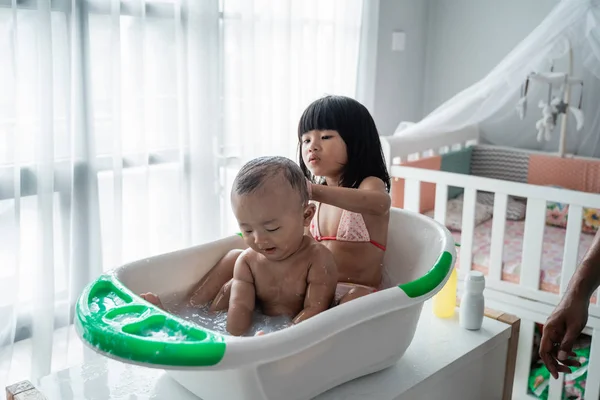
(319, 252)
(250, 257)
(322, 267)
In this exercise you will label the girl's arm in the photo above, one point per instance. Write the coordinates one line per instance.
(370, 197)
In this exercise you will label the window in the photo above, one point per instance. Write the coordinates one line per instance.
(136, 157)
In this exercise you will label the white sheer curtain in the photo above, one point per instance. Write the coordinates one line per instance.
(279, 56)
(122, 124)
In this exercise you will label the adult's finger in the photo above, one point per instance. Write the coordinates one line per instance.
(564, 369)
(552, 365)
(566, 345)
(550, 336)
(570, 363)
(556, 366)
(570, 359)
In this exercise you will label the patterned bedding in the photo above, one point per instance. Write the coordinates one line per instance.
(552, 254)
(517, 166)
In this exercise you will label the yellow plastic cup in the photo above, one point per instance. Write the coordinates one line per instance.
(444, 302)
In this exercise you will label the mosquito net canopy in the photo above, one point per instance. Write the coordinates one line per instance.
(521, 102)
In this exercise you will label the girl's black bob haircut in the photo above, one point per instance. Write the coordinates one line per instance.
(355, 125)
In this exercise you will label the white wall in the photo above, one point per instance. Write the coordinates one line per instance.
(467, 38)
(400, 75)
(450, 45)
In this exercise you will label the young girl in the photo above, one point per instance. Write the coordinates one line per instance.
(341, 156)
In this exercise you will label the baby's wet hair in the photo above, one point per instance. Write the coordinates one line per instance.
(256, 172)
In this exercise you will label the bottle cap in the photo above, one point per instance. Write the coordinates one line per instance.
(475, 282)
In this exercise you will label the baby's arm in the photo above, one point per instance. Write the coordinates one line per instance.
(322, 281)
(241, 303)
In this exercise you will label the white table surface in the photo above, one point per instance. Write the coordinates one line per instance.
(439, 344)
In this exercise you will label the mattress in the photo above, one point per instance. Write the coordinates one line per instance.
(552, 253)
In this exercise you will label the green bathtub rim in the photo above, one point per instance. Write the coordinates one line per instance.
(425, 284)
(106, 298)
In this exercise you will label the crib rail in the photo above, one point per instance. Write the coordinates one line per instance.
(524, 299)
(397, 149)
(537, 196)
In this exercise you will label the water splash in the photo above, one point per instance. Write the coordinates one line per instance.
(217, 321)
(165, 334)
(126, 318)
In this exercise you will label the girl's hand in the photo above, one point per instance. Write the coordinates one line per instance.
(560, 332)
(309, 188)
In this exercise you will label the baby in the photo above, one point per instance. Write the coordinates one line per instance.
(284, 270)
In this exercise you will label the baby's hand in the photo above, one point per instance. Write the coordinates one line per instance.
(152, 299)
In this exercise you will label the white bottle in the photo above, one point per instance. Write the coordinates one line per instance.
(472, 302)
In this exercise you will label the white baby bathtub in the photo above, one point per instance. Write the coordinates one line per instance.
(360, 337)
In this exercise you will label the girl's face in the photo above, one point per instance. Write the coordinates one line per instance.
(324, 153)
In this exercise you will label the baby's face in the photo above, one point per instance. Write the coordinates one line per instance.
(272, 219)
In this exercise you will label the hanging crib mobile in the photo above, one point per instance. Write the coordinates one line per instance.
(554, 105)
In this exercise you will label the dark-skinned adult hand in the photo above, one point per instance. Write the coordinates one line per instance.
(560, 332)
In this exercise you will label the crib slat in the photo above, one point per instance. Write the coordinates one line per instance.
(471, 142)
(522, 368)
(441, 201)
(412, 157)
(466, 236)
(532, 243)
(571, 249)
(412, 195)
(592, 384)
(498, 228)
(556, 387)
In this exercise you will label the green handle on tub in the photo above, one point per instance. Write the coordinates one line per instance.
(436, 275)
(117, 322)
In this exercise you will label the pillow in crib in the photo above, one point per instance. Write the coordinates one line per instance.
(454, 210)
(557, 215)
(515, 209)
(591, 220)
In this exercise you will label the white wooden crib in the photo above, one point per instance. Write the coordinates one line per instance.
(525, 298)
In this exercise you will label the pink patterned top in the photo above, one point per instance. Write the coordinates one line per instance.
(352, 228)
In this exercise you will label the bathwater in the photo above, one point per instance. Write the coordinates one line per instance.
(126, 318)
(164, 334)
(217, 321)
